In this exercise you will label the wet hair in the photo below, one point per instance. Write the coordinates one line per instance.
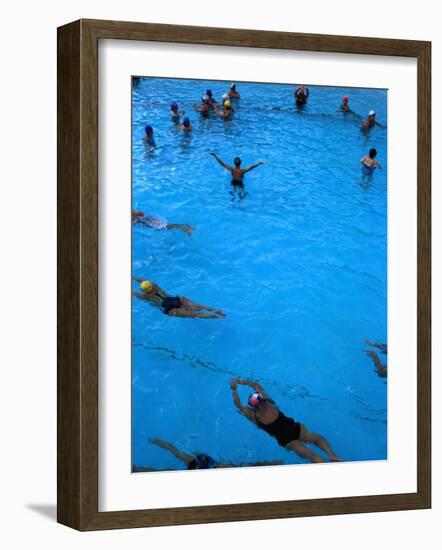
(372, 153)
(237, 161)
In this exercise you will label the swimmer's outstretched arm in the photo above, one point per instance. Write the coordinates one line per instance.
(253, 166)
(138, 294)
(380, 368)
(184, 457)
(243, 410)
(138, 279)
(214, 155)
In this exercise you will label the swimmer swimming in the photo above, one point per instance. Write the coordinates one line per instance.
(291, 435)
(202, 461)
(159, 223)
(381, 369)
(148, 138)
(236, 171)
(369, 164)
(175, 306)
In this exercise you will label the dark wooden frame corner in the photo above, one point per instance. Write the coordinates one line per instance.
(77, 225)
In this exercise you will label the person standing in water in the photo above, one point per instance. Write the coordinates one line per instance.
(233, 92)
(227, 109)
(212, 101)
(175, 306)
(345, 107)
(201, 461)
(236, 170)
(301, 95)
(155, 222)
(370, 122)
(175, 114)
(148, 138)
(291, 435)
(186, 126)
(369, 164)
(204, 108)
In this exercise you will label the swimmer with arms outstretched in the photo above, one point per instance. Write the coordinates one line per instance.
(236, 171)
(158, 223)
(175, 306)
(291, 435)
(201, 461)
(369, 164)
(381, 369)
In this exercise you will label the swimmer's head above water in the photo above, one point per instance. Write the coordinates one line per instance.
(209, 93)
(149, 130)
(186, 122)
(237, 162)
(371, 113)
(345, 99)
(227, 104)
(146, 286)
(174, 106)
(233, 87)
(372, 153)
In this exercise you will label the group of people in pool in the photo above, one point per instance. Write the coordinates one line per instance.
(225, 110)
(261, 410)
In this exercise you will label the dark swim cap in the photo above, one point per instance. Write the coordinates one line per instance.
(174, 105)
(236, 161)
(372, 153)
(186, 121)
(148, 129)
(209, 93)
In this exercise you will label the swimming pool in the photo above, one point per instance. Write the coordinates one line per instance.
(299, 266)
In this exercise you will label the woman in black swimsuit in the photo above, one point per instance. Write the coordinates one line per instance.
(176, 306)
(291, 435)
(236, 171)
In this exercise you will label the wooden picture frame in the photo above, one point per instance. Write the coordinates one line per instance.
(78, 274)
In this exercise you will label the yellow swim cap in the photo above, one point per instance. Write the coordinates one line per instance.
(227, 103)
(146, 286)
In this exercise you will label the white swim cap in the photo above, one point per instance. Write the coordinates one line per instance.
(371, 113)
(225, 96)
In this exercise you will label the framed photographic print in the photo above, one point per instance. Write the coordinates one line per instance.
(243, 275)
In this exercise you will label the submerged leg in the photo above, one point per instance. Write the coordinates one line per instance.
(319, 441)
(303, 451)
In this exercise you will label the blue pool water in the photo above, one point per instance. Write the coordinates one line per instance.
(299, 266)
